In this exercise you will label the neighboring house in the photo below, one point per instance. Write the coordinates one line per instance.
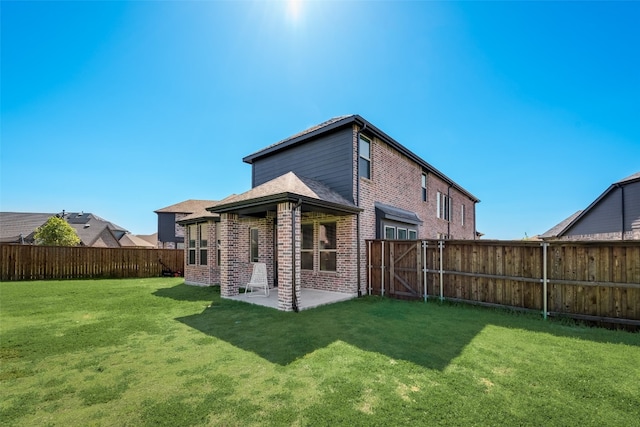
(93, 231)
(170, 232)
(316, 197)
(615, 215)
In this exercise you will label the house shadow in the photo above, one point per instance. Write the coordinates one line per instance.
(399, 330)
(427, 334)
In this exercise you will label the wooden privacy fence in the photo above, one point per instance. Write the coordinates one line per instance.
(586, 280)
(30, 262)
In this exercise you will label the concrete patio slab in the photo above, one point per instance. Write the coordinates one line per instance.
(309, 298)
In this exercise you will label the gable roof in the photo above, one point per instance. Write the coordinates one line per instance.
(558, 228)
(15, 226)
(88, 226)
(188, 206)
(366, 127)
(565, 225)
(287, 187)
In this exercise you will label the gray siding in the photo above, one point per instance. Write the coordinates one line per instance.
(604, 217)
(631, 204)
(328, 159)
(167, 228)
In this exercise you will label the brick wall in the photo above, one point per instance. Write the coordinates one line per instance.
(397, 180)
(345, 278)
(204, 275)
(286, 246)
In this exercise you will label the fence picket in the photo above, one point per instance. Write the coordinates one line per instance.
(29, 262)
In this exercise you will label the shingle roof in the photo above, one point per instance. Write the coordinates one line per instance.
(188, 206)
(287, 186)
(14, 224)
(555, 230)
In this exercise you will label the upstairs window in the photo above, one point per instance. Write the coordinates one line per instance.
(364, 164)
(443, 206)
(462, 215)
(424, 187)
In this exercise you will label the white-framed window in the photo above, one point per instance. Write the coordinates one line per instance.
(389, 232)
(254, 244)
(202, 235)
(402, 233)
(364, 162)
(413, 235)
(328, 246)
(324, 242)
(306, 253)
(443, 206)
(192, 236)
(424, 187)
(462, 215)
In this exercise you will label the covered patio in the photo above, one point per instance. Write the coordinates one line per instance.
(309, 298)
(301, 231)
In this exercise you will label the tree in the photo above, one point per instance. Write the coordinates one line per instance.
(56, 232)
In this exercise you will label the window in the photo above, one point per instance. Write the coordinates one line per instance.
(462, 215)
(327, 246)
(443, 206)
(253, 245)
(402, 234)
(413, 235)
(424, 187)
(389, 232)
(218, 256)
(306, 254)
(192, 235)
(364, 165)
(202, 233)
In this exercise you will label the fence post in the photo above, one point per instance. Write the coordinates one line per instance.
(441, 246)
(382, 270)
(545, 280)
(369, 266)
(424, 268)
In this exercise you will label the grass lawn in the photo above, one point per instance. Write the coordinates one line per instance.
(157, 352)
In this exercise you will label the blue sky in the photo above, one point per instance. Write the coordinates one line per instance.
(121, 108)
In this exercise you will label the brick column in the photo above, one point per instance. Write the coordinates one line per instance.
(229, 274)
(287, 270)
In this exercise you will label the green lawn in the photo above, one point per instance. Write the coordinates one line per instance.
(158, 352)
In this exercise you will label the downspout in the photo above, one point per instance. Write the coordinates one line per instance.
(358, 204)
(294, 297)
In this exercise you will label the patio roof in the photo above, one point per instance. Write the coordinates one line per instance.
(315, 196)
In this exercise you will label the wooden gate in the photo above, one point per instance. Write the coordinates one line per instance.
(396, 267)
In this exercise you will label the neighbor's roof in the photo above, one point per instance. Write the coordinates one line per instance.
(288, 187)
(365, 126)
(555, 230)
(129, 240)
(14, 224)
(188, 206)
(565, 225)
(200, 214)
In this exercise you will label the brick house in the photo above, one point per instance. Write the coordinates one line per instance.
(315, 198)
(614, 215)
(170, 230)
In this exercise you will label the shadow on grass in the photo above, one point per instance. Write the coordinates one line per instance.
(430, 335)
(184, 292)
